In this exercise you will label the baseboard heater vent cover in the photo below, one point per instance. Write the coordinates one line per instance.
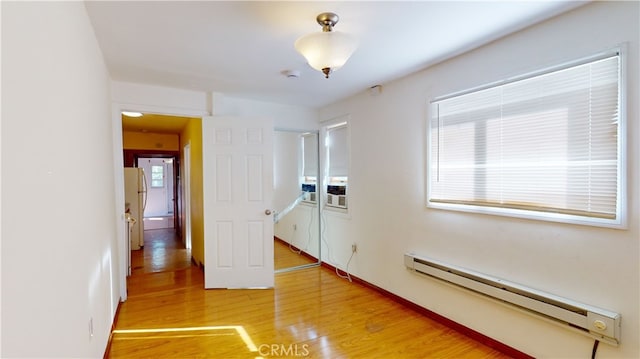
(601, 324)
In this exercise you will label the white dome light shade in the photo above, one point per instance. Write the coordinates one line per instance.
(326, 49)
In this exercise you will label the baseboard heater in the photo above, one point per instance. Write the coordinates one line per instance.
(601, 324)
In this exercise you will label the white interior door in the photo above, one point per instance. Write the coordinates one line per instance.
(237, 156)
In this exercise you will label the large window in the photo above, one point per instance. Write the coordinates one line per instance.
(546, 145)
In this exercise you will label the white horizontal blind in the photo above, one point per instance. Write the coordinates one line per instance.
(338, 151)
(310, 155)
(547, 143)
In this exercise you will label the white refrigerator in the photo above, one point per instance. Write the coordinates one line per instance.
(135, 198)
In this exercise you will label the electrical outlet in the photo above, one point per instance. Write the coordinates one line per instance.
(354, 248)
(295, 227)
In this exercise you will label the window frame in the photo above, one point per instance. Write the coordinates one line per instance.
(620, 221)
(307, 178)
(162, 167)
(327, 179)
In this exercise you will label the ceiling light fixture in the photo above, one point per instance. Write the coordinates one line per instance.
(328, 50)
(131, 114)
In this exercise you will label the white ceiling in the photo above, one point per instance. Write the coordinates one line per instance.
(240, 48)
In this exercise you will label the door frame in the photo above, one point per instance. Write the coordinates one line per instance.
(186, 195)
(131, 158)
(118, 173)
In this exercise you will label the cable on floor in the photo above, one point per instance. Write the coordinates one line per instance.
(330, 259)
(309, 228)
(329, 256)
(347, 276)
(291, 244)
(595, 349)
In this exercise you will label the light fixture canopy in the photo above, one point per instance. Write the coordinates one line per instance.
(328, 50)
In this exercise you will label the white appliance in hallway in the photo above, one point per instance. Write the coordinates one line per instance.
(130, 223)
(135, 198)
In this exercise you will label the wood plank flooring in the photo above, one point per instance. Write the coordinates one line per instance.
(162, 252)
(310, 313)
(287, 256)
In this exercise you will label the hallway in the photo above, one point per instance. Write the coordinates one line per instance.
(310, 313)
(163, 251)
(161, 264)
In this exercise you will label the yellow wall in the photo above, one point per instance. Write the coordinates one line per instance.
(192, 134)
(150, 141)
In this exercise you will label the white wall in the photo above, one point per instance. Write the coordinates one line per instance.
(58, 235)
(158, 99)
(388, 132)
(284, 116)
(172, 101)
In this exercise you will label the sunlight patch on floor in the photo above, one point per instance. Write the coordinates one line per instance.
(239, 330)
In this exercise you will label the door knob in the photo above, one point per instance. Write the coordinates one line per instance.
(267, 212)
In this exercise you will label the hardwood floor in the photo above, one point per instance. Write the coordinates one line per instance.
(287, 256)
(162, 252)
(310, 313)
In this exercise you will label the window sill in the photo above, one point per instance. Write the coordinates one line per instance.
(336, 212)
(532, 215)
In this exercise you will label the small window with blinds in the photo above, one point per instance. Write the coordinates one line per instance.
(310, 166)
(337, 175)
(543, 146)
(310, 155)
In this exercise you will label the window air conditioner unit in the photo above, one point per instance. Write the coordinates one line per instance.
(337, 200)
(309, 197)
(337, 196)
(309, 193)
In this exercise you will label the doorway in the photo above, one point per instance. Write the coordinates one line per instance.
(162, 172)
(161, 193)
